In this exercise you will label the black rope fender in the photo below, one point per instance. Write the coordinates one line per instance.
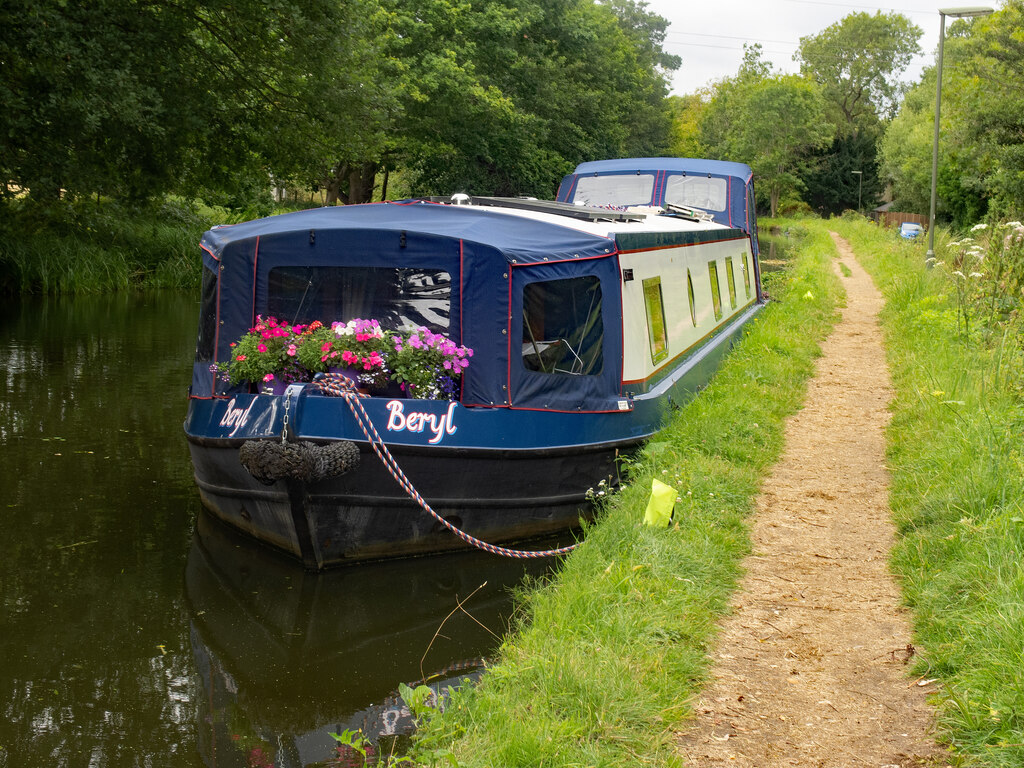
(271, 460)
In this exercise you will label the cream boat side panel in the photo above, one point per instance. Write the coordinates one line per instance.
(671, 265)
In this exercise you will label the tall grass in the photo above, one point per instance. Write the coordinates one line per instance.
(610, 653)
(95, 248)
(955, 450)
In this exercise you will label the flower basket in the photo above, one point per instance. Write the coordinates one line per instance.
(266, 354)
(358, 345)
(427, 365)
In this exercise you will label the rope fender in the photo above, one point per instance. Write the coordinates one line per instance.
(337, 385)
(270, 460)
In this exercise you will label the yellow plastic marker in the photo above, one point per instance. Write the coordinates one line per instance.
(660, 505)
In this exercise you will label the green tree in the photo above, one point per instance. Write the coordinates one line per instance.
(772, 122)
(131, 99)
(981, 149)
(782, 121)
(857, 62)
(905, 149)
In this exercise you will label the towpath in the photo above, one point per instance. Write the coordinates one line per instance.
(810, 667)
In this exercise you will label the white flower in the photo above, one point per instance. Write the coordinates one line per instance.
(976, 274)
(1014, 224)
(958, 273)
(976, 227)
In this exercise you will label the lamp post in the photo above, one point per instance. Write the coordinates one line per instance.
(860, 186)
(958, 13)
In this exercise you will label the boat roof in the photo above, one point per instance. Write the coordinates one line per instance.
(527, 232)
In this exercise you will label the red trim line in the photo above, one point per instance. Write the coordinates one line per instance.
(622, 322)
(572, 188)
(508, 342)
(462, 340)
(556, 410)
(213, 256)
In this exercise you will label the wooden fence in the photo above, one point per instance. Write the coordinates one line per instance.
(895, 218)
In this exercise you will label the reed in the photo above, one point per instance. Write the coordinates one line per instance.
(100, 248)
(608, 655)
(957, 466)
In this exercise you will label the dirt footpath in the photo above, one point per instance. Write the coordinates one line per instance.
(810, 668)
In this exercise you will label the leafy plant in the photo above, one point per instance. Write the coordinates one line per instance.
(360, 345)
(267, 353)
(427, 365)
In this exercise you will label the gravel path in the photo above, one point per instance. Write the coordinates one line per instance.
(810, 668)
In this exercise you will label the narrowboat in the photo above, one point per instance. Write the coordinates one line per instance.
(588, 319)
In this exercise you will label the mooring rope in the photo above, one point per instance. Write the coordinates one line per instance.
(338, 385)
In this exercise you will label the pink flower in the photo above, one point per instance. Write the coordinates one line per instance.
(291, 350)
(269, 377)
(326, 347)
(262, 347)
(240, 357)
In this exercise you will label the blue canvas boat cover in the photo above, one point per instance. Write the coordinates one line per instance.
(489, 254)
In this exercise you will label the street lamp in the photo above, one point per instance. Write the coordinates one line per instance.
(958, 13)
(860, 185)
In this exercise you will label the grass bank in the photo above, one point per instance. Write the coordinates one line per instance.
(610, 652)
(955, 450)
(102, 248)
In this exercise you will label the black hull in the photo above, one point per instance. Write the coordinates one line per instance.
(496, 496)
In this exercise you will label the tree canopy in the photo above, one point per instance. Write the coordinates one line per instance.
(132, 99)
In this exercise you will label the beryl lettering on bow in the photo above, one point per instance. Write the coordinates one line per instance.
(417, 421)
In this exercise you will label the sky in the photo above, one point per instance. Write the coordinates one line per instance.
(709, 36)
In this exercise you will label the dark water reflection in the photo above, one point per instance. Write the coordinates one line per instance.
(130, 638)
(775, 248)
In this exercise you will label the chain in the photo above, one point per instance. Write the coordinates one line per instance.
(287, 405)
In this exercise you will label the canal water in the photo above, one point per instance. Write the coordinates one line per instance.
(135, 630)
(775, 247)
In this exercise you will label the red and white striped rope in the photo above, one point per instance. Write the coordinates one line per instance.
(339, 385)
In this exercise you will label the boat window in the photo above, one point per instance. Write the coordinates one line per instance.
(399, 299)
(697, 192)
(693, 302)
(655, 319)
(731, 278)
(716, 292)
(746, 275)
(207, 317)
(616, 189)
(563, 331)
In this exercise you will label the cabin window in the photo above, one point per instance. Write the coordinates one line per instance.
(731, 279)
(693, 301)
(207, 318)
(616, 189)
(655, 319)
(697, 192)
(563, 331)
(399, 299)
(716, 292)
(746, 275)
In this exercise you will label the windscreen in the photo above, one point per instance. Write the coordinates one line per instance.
(399, 299)
(615, 189)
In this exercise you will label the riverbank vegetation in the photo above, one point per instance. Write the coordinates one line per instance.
(609, 653)
(953, 336)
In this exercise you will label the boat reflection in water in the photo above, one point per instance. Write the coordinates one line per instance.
(287, 656)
